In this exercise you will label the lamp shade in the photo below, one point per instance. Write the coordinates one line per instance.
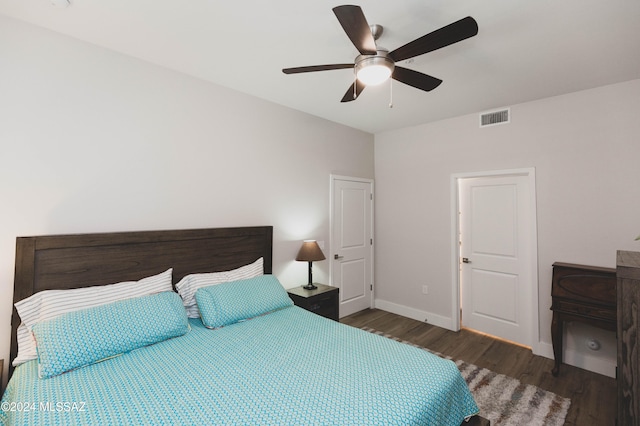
(310, 252)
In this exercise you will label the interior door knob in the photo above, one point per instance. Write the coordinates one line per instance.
(465, 260)
(337, 256)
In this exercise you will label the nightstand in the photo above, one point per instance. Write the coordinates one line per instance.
(322, 301)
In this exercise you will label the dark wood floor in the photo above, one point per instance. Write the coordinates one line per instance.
(593, 396)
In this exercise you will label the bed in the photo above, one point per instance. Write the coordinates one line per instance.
(281, 366)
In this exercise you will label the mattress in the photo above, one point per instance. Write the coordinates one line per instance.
(288, 367)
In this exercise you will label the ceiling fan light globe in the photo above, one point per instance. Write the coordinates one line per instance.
(374, 70)
(374, 75)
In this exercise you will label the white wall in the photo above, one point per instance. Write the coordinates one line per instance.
(585, 148)
(94, 141)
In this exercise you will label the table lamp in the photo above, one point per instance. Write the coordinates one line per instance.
(310, 252)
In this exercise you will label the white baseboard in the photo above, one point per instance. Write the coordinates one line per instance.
(571, 356)
(415, 314)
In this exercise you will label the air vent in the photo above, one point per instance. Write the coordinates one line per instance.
(495, 117)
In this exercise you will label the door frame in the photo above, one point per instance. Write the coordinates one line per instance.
(530, 173)
(332, 179)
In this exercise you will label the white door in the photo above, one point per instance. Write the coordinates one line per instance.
(351, 253)
(495, 268)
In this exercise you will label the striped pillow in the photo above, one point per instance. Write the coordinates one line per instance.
(49, 304)
(188, 286)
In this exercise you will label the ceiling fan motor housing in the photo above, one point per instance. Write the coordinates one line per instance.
(374, 69)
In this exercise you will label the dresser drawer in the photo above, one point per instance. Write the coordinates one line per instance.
(324, 305)
(590, 311)
(321, 301)
(326, 310)
(587, 284)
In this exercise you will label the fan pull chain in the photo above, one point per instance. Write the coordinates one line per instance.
(390, 93)
(355, 83)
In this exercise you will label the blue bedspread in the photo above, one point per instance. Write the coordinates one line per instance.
(289, 367)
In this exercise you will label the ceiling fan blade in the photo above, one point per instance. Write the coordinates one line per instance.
(355, 25)
(314, 68)
(415, 79)
(349, 96)
(445, 36)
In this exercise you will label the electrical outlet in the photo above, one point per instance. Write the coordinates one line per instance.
(593, 344)
(425, 289)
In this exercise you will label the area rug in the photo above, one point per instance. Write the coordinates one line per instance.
(504, 400)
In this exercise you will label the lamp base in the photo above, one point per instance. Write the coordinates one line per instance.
(309, 287)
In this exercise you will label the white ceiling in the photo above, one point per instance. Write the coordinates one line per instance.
(524, 50)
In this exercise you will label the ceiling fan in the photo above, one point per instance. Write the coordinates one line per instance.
(375, 65)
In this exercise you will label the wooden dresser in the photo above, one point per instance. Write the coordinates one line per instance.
(581, 293)
(628, 267)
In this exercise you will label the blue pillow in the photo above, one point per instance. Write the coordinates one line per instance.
(86, 336)
(231, 302)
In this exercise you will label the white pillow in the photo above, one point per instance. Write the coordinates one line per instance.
(48, 304)
(188, 286)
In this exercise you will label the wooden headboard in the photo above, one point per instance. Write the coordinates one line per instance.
(54, 262)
